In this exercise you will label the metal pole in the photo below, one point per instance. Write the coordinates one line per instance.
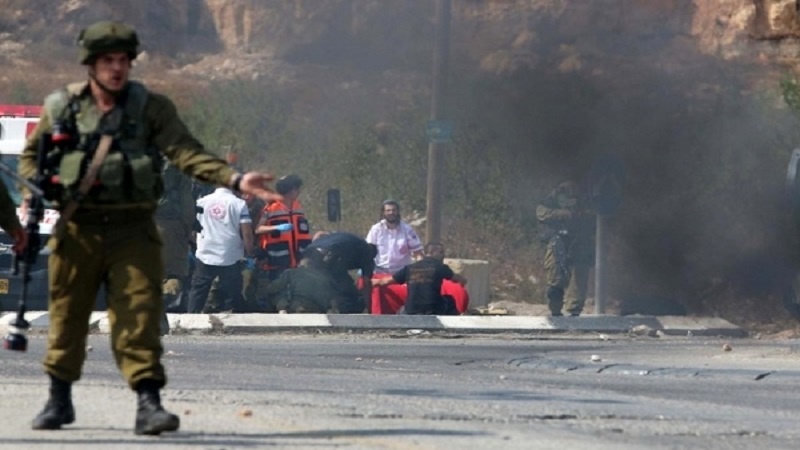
(440, 58)
(600, 266)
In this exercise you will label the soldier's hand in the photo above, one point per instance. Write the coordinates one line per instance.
(255, 183)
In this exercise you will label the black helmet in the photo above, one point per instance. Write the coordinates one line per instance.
(107, 37)
(286, 183)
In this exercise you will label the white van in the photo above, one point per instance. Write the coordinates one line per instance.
(16, 123)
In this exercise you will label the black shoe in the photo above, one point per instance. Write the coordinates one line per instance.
(556, 314)
(59, 410)
(574, 315)
(163, 326)
(151, 418)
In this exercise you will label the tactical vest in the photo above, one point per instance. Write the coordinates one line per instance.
(283, 250)
(131, 172)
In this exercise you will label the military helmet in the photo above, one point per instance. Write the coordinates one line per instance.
(286, 183)
(568, 188)
(107, 37)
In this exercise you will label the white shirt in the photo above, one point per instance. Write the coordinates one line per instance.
(395, 246)
(220, 243)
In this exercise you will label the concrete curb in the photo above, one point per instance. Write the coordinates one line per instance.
(270, 323)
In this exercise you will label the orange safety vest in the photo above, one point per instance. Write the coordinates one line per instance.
(283, 250)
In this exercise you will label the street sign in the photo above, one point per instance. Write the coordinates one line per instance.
(607, 180)
(334, 205)
(439, 131)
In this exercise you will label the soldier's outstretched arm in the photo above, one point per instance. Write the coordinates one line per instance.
(546, 214)
(255, 183)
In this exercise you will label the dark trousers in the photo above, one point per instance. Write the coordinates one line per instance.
(445, 307)
(230, 283)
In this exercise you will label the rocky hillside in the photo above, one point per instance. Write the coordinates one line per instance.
(497, 36)
(687, 92)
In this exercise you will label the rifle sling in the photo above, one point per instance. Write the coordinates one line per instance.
(86, 182)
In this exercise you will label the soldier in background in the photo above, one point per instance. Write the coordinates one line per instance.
(567, 230)
(174, 218)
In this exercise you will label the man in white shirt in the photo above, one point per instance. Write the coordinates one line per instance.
(397, 242)
(226, 237)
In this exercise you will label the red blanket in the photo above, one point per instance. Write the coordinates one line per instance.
(389, 299)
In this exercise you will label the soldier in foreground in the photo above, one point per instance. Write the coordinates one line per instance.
(109, 135)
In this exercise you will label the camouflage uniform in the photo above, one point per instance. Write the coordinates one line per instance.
(567, 231)
(124, 233)
(112, 238)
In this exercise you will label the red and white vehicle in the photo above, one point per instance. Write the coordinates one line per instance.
(16, 123)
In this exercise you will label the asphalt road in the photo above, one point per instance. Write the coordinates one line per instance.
(422, 391)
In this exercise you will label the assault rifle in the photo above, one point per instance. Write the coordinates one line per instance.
(560, 252)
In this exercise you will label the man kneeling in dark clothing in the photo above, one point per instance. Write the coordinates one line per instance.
(322, 283)
(424, 279)
(303, 290)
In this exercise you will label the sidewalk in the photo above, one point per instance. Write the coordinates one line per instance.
(269, 323)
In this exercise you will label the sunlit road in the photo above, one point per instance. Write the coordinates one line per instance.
(421, 391)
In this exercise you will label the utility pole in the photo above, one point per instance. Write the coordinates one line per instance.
(600, 274)
(607, 181)
(441, 55)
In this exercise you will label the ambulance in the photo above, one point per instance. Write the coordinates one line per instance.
(16, 123)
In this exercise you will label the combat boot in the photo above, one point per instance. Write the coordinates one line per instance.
(151, 418)
(555, 300)
(58, 410)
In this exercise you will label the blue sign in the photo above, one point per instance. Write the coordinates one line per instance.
(439, 131)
